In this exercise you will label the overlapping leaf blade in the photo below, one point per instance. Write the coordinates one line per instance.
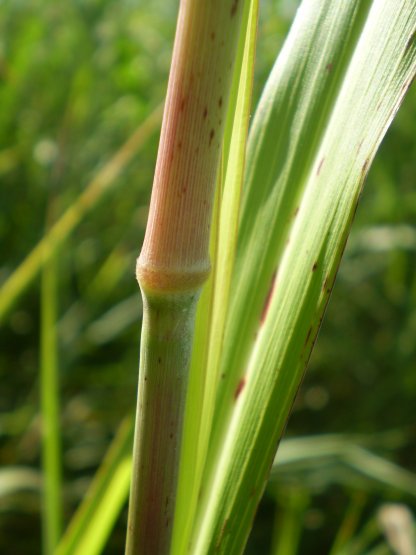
(330, 98)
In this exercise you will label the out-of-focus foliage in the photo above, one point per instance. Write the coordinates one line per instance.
(76, 79)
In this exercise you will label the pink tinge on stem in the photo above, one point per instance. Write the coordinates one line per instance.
(175, 250)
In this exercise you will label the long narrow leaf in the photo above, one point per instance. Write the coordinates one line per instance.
(94, 519)
(51, 439)
(336, 87)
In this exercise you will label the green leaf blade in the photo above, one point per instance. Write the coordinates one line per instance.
(307, 244)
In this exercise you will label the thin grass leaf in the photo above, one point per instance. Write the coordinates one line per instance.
(234, 158)
(362, 541)
(349, 524)
(192, 461)
(91, 525)
(336, 87)
(380, 549)
(50, 411)
(22, 277)
(289, 525)
(212, 308)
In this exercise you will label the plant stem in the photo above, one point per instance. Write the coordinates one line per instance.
(51, 448)
(165, 352)
(174, 261)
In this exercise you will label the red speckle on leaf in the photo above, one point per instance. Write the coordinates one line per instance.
(314, 266)
(234, 8)
(239, 388)
(329, 67)
(211, 136)
(220, 101)
(205, 112)
(407, 85)
(410, 41)
(268, 299)
(222, 533)
(183, 103)
(212, 36)
(320, 166)
(308, 335)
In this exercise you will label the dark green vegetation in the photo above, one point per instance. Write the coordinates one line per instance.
(76, 81)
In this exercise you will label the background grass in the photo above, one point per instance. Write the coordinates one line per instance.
(76, 79)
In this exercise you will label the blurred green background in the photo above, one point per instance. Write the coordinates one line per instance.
(77, 79)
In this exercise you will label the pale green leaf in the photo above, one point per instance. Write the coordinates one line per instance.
(50, 408)
(335, 88)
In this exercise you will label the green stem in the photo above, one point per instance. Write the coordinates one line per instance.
(165, 355)
(174, 261)
(51, 449)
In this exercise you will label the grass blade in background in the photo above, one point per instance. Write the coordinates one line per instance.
(229, 207)
(21, 278)
(300, 454)
(109, 490)
(349, 523)
(50, 410)
(335, 89)
(289, 526)
(91, 525)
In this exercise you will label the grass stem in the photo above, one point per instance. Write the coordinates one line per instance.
(51, 448)
(174, 261)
